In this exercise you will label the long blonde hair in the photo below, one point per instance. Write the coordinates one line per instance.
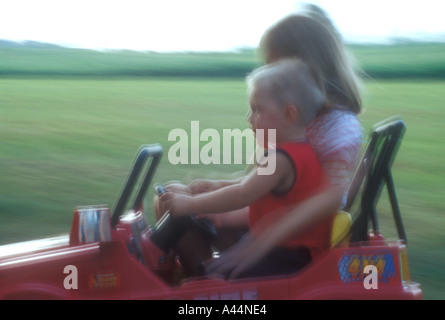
(312, 37)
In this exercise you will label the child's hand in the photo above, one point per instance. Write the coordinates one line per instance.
(159, 208)
(227, 263)
(202, 185)
(177, 203)
(177, 187)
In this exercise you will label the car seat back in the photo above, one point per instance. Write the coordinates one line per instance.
(373, 172)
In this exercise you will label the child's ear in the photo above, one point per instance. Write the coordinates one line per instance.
(291, 112)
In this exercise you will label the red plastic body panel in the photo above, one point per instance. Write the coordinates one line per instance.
(131, 267)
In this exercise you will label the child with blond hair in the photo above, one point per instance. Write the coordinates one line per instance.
(284, 96)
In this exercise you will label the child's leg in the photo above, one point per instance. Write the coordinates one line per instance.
(192, 249)
(195, 248)
(279, 261)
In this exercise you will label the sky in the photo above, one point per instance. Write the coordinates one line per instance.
(204, 25)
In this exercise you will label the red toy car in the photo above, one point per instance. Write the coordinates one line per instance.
(119, 256)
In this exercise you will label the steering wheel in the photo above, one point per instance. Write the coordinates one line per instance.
(169, 229)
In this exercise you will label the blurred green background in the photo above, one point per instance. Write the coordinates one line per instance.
(72, 121)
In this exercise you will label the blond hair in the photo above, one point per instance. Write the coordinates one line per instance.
(290, 81)
(312, 37)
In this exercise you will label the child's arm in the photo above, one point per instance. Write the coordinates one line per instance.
(196, 187)
(207, 185)
(303, 216)
(234, 196)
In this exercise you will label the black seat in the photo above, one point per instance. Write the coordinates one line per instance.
(373, 172)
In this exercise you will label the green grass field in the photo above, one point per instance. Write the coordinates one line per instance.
(69, 141)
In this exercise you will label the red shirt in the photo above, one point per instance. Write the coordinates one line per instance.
(309, 178)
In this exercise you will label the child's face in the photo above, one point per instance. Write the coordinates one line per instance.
(264, 113)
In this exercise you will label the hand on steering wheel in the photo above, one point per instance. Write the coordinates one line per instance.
(169, 229)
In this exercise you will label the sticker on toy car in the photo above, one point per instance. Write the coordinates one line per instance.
(351, 266)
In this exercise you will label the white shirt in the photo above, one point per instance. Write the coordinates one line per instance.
(336, 136)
